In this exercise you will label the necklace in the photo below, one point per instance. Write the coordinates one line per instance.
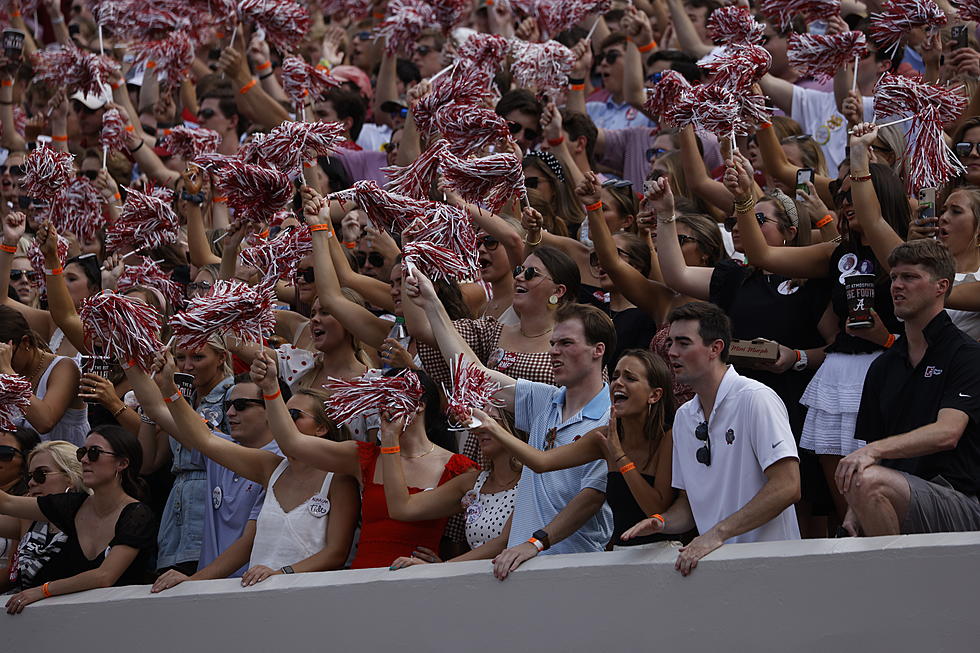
(521, 329)
(40, 362)
(431, 449)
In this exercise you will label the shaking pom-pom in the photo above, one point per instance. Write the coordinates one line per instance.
(739, 66)
(15, 396)
(733, 24)
(290, 145)
(968, 10)
(465, 83)
(46, 172)
(71, 69)
(555, 16)
(125, 328)
(899, 17)
(285, 22)
(77, 209)
(665, 94)
(484, 50)
(472, 388)
(400, 395)
(277, 258)
(492, 180)
(542, 66)
(300, 79)
(113, 136)
(450, 228)
(232, 307)
(820, 56)
(406, 21)
(188, 143)
(470, 129)
(415, 180)
(710, 109)
(148, 274)
(435, 261)
(145, 222)
(254, 192)
(449, 13)
(386, 210)
(354, 9)
(782, 12)
(37, 260)
(172, 56)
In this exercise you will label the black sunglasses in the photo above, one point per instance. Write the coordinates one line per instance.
(207, 114)
(655, 152)
(609, 57)
(529, 272)
(92, 453)
(363, 36)
(655, 78)
(488, 243)
(400, 112)
(704, 453)
(390, 147)
(7, 453)
(39, 476)
(306, 274)
(760, 217)
(15, 171)
(91, 174)
(684, 239)
(15, 275)
(242, 403)
(296, 413)
(202, 286)
(376, 259)
(532, 182)
(966, 148)
(843, 197)
(516, 127)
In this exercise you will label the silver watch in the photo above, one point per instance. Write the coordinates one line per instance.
(800, 365)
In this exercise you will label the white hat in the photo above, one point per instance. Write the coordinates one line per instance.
(93, 102)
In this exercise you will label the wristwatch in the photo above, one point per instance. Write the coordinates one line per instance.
(800, 365)
(287, 570)
(541, 535)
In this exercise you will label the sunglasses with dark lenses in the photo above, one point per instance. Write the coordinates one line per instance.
(363, 36)
(15, 171)
(400, 112)
(39, 476)
(488, 243)
(609, 57)
(655, 153)
(16, 275)
(532, 182)
(655, 78)
(759, 217)
(91, 174)
(704, 453)
(617, 183)
(684, 239)
(242, 403)
(376, 259)
(207, 114)
(388, 148)
(528, 273)
(7, 453)
(296, 413)
(516, 127)
(92, 453)
(843, 198)
(199, 286)
(423, 50)
(306, 274)
(966, 148)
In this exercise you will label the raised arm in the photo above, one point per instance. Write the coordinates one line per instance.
(698, 181)
(636, 24)
(684, 29)
(867, 209)
(537, 236)
(11, 140)
(584, 450)
(60, 304)
(779, 168)
(192, 183)
(251, 99)
(686, 279)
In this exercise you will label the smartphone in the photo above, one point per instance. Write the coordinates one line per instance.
(185, 383)
(13, 45)
(927, 206)
(959, 36)
(803, 177)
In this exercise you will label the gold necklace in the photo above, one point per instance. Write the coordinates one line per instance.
(521, 329)
(431, 449)
(40, 361)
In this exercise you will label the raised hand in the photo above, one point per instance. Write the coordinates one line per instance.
(13, 227)
(660, 198)
(589, 189)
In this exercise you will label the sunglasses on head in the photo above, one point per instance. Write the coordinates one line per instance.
(296, 413)
(15, 171)
(242, 403)
(799, 138)
(617, 183)
(90, 174)
(488, 243)
(966, 148)
(759, 217)
(207, 114)
(375, 259)
(39, 476)
(516, 127)
(704, 453)
(16, 275)
(92, 453)
(306, 274)
(528, 273)
(7, 453)
(609, 57)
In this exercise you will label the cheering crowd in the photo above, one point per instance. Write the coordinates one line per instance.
(304, 285)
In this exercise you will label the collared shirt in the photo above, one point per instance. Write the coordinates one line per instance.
(749, 431)
(211, 408)
(899, 398)
(540, 497)
(613, 115)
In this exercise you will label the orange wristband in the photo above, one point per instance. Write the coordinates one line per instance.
(219, 199)
(390, 449)
(824, 221)
(272, 396)
(10, 249)
(577, 87)
(15, 14)
(117, 196)
(59, 138)
(264, 66)
(248, 87)
(890, 341)
(114, 86)
(594, 207)
(150, 64)
(350, 244)
(172, 398)
(46, 591)
(54, 272)
(646, 48)
(6, 82)
(628, 467)
(320, 227)
(554, 142)
(659, 517)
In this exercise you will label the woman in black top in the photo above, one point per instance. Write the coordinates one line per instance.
(110, 533)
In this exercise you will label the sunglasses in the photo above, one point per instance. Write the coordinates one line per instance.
(617, 183)
(16, 275)
(242, 403)
(532, 182)
(375, 259)
(39, 476)
(15, 171)
(296, 413)
(7, 453)
(704, 453)
(655, 78)
(609, 57)
(388, 148)
(363, 36)
(799, 138)
(423, 50)
(759, 217)
(529, 273)
(516, 127)
(594, 258)
(199, 286)
(92, 453)
(306, 274)
(90, 174)
(684, 239)
(966, 148)
(400, 112)
(207, 114)
(488, 243)
(843, 198)
(655, 153)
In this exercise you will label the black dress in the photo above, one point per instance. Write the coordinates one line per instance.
(627, 512)
(136, 527)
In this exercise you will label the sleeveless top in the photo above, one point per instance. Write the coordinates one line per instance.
(284, 538)
(73, 426)
(382, 538)
(486, 514)
(626, 511)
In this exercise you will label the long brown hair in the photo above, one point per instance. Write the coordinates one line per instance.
(658, 414)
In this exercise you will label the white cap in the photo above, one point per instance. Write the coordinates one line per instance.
(92, 101)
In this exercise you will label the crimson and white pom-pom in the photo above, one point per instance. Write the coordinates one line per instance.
(189, 143)
(968, 10)
(77, 209)
(15, 396)
(148, 274)
(541, 66)
(739, 66)
(300, 79)
(491, 180)
(466, 83)
(386, 210)
(231, 307)
(288, 147)
(171, 55)
(277, 258)
(710, 109)
(822, 56)
(71, 69)
(472, 388)
(160, 192)
(145, 222)
(37, 260)
(449, 13)
(113, 136)
(354, 9)
(406, 21)
(415, 180)
(665, 94)
(451, 228)
(126, 328)
(484, 50)
(782, 12)
(285, 22)
(46, 172)
(470, 129)
(930, 163)
(400, 395)
(555, 16)
(899, 17)
(902, 95)
(734, 24)
(254, 192)
(436, 261)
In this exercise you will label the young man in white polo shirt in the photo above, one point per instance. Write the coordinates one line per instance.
(737, 469)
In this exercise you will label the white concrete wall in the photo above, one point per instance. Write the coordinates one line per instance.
(911, 593)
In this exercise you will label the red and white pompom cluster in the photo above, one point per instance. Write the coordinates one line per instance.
(113, 136)
(822, 56)
(354, 9)
(449, 13)
(930, 161)
(399, 395)
(76, 209)
(968, 11)
(277, 258)
(451, 229)
(470, 129)
(126, 328)
(387, 210)
(436, 261)
(416, 179)
(70, 69)
(300, 79)
(486, 51)
(556, 16)
(466, 83)
(289, 147)
(665, 94)
(285, 22)
(734, 24)
(145, 222)
(709, 109)
(170, 57)
(36, 256)
(782, 12)
(15, 396)
(541, 66)
(735, 70)
(231, 307)
(189, 143)
(148, 274)
(46, 172)
(490, 180)
(404, 24)
(899, 17)
(472, 388)
(254, 192)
